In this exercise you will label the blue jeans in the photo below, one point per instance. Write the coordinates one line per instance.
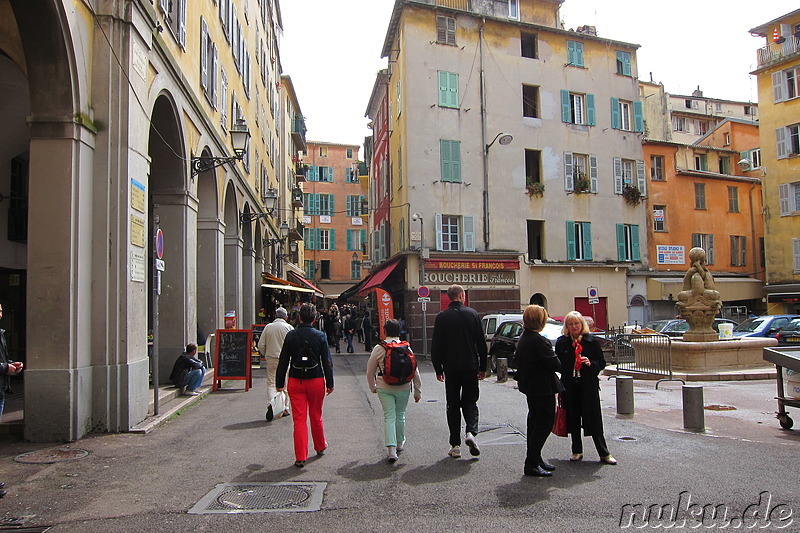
(394, 403)
(194, 378)
(349, 342)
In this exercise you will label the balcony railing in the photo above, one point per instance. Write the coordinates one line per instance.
(299, 131)
(777, 52)
(463, 5)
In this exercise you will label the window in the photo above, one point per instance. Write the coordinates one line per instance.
(455, 233)
(325, 239)
(349, 153)
(750, 110)
(325, 268)
(208, 64)
(355, 269)
(528, 43)
(660, 218)
(727, 139)
(718, 108)
(356, 238)
(628, 242)
(706, 242)
(309, 267)
(631, 173)
(733, 199)
(445, 30)
(317, 173)
(323, 151)
(575, 53)
(580, 172)
(786, 84)
(577, 108)
(724, 165)
(623, 63)
(626, 115)
(533, 167)
(450, 158)
(755, 157)
(789, 198)
(700, 162)
(223, 98)
(688, 104)
(350, 175)
(513, 9)
(657, 167)
(579, 241)
(678, 124)
(535, 239)
(353, 205)
(530, 101)
(796, 254)
(700, 127)
(317, 204)
(788, 141)
(699, 195)
(175, 15)
(448, 89)
(738, 253)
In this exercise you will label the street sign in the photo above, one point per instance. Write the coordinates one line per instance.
(160, 265)
(592, 292)
(424, 306)
(423, 299)
(159, 243)
(594, 301)
(423, 292)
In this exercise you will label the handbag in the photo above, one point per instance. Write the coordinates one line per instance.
(560, 422)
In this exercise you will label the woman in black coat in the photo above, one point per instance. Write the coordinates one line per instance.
(537, 365)
(581, 362)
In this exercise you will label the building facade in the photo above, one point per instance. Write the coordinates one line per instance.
(778, 73)
(118, 115)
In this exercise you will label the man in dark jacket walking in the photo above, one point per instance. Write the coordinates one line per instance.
(458, 353)
(7, 368)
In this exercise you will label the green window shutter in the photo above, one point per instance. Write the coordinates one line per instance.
(317, 203)
(638, 116)
(455, 160)
(469, 233)
(635, 242)
(453, 89)
(620, 242)
(571, 52)
(312, 173)
(443, 80)
(306, 204)
(331, 205)
(444, 158)
(331, 239)
(349, 240)
(571, 249)
(579, 54)
(363, 240)
(616, 122)
(591, 118)
(587, 241)
(566, 112)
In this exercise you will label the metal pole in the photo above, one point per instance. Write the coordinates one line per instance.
(483, 145)
(693, 414)
(502, 369)
(154, 358)
(624, 395)
(424, 304)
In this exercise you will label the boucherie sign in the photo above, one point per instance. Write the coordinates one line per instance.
(447, 264)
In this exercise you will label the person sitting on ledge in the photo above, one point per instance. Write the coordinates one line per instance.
(188, 372)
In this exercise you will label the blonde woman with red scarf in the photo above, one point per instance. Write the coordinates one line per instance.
(581, 362)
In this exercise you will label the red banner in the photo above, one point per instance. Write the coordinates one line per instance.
(446, 264)
(385, 309)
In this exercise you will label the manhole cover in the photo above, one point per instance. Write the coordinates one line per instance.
(717, 407)
(287, 497)
(46, 457)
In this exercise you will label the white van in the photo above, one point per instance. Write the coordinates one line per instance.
(491, 321)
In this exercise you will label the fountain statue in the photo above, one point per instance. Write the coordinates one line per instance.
(699, 300)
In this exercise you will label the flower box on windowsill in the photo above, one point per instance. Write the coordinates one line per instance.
(535, 188)
(632, 194)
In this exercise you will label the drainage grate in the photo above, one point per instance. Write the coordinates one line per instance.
(46, 457)
(287, 497)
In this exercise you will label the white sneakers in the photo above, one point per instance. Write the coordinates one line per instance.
(401, 445)
(455, 452)
(473, 444)
(391, 453)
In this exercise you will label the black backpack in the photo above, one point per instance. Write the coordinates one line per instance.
(305, 360)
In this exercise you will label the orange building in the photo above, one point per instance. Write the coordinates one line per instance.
(697, 196)
(334, 230)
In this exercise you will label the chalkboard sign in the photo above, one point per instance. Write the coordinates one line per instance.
(257, 330)
(232, 356)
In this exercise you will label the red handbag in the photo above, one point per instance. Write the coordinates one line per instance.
(560, 423)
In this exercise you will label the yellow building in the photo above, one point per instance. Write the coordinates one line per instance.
(779, 106)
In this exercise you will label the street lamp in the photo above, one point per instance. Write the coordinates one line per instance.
(270, 204)
(284, 232)
(505, 139)
(422, 255)
(240, 136)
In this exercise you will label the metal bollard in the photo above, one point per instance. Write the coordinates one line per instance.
(624, 395)
(693, 413)
(502, 370)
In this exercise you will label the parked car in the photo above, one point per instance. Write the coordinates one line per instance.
(789, 335)
(505, 340)
(763, 326)
(678, 326)
(490, 323)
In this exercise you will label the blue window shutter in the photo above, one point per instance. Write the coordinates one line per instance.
(620, 242)
(569, 173)
(593, 173)
(635, 242)
(444, 158)
(331, 205)
(438, 231)
(616, 123)
(571, 249)
(331, 239)
(453, 89)
(579, 54)
(331, 175)
(469, 233)
(312, 173)
(455, 160)
(317, 203)
(566, 112)
(306, 204)
(591, 118)
(587, 240)
(571, 52)
(443, 88)
(363, 240)
(638, 116)
(349, 240)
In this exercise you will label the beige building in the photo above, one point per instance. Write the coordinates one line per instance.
(119, 124)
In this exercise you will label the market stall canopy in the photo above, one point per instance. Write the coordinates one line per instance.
(307, 284)
(268, 281)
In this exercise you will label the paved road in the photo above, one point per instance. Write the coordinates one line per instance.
(148, 483)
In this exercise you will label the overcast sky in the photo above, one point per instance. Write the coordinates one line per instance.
(332, 50)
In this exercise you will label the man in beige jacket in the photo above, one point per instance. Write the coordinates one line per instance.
(269, 346)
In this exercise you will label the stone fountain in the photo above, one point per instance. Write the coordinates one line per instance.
(699, 301)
